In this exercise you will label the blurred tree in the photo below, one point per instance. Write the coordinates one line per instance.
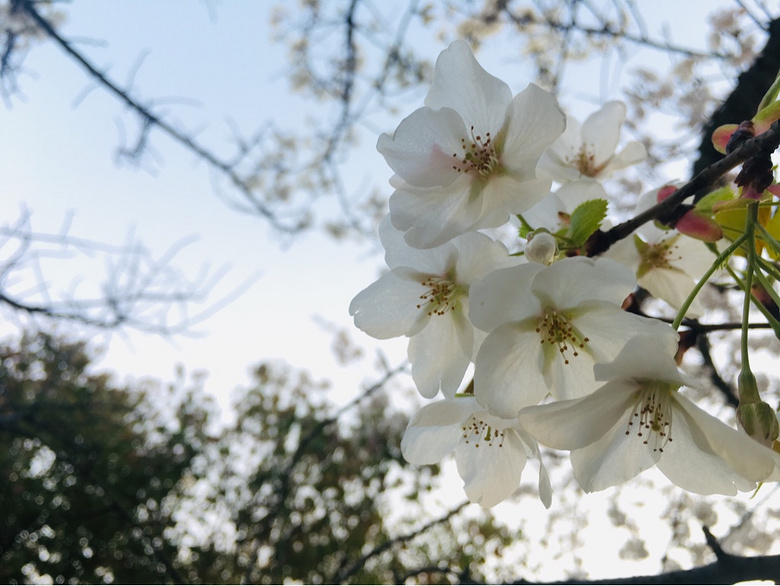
(143, 485)
(86, 470)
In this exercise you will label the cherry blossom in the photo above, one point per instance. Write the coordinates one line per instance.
(425, 296)
(548, 327)
(639, 419)
(467, 160)
(490, 452)
(667, 264)
(588, 151)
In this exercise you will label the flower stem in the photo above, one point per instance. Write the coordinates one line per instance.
(748, 393)
(722, 257)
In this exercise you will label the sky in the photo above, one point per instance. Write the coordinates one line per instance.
(58, 160)
(219, 69)
(208, 66)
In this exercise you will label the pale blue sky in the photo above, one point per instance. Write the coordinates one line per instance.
(58, 158)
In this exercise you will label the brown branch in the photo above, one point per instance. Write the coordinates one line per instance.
(727, 569)
(150, 119)
(664, 211)
(607, 30)
(355, 567)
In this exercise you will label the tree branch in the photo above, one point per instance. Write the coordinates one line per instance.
(742, 102)
(149, 119)
(664, 211)
(727, 569)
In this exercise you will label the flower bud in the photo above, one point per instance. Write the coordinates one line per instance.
(759, 421)
(747, 387)
(744, 132)
(541, 248)
(699, 226)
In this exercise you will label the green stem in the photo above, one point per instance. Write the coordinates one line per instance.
(748, 390)
(722, 257)
(773, 323)
(750, 233)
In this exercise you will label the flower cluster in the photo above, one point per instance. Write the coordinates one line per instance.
(557, 359)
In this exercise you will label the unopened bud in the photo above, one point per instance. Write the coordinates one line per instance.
(745, 131)
(541, 248)
(759, 421)
(699, 226)
(747, 387)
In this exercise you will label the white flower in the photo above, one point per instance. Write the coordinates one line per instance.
(490, 452)
(425, 297)
(638, 420)
(666, 263)
(467, 160)
(589, 151)
(549, 326)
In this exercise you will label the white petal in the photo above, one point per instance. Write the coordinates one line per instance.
(673, 286)
(601, 131)
(432, 217)
(545, 487)
(572, 379)
(504, 296)
(507, 373)
(692, 256)
(491, 473)
(626, 253)
(431, 261)
(546, 214)
(684, 454)
(460, 83)
(747, 457)
(422, 147)
(633, 153)
(571, 281)
(510, 194)
(435, 431)
(441, 352)
(612, 459)
(573, 424)
(478, 256)
(534, 122)
(574, 193)
(646, 357)
(388, 307)
(560, 160)
(609, 329)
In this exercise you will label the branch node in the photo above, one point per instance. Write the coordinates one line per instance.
(713, 543)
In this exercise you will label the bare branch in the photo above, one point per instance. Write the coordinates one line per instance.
(138, 291)
(664, 211)
(150, 119)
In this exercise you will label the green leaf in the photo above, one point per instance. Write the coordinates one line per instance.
(586, 219)
(771, 94)
(704, 205)
(525, 227)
